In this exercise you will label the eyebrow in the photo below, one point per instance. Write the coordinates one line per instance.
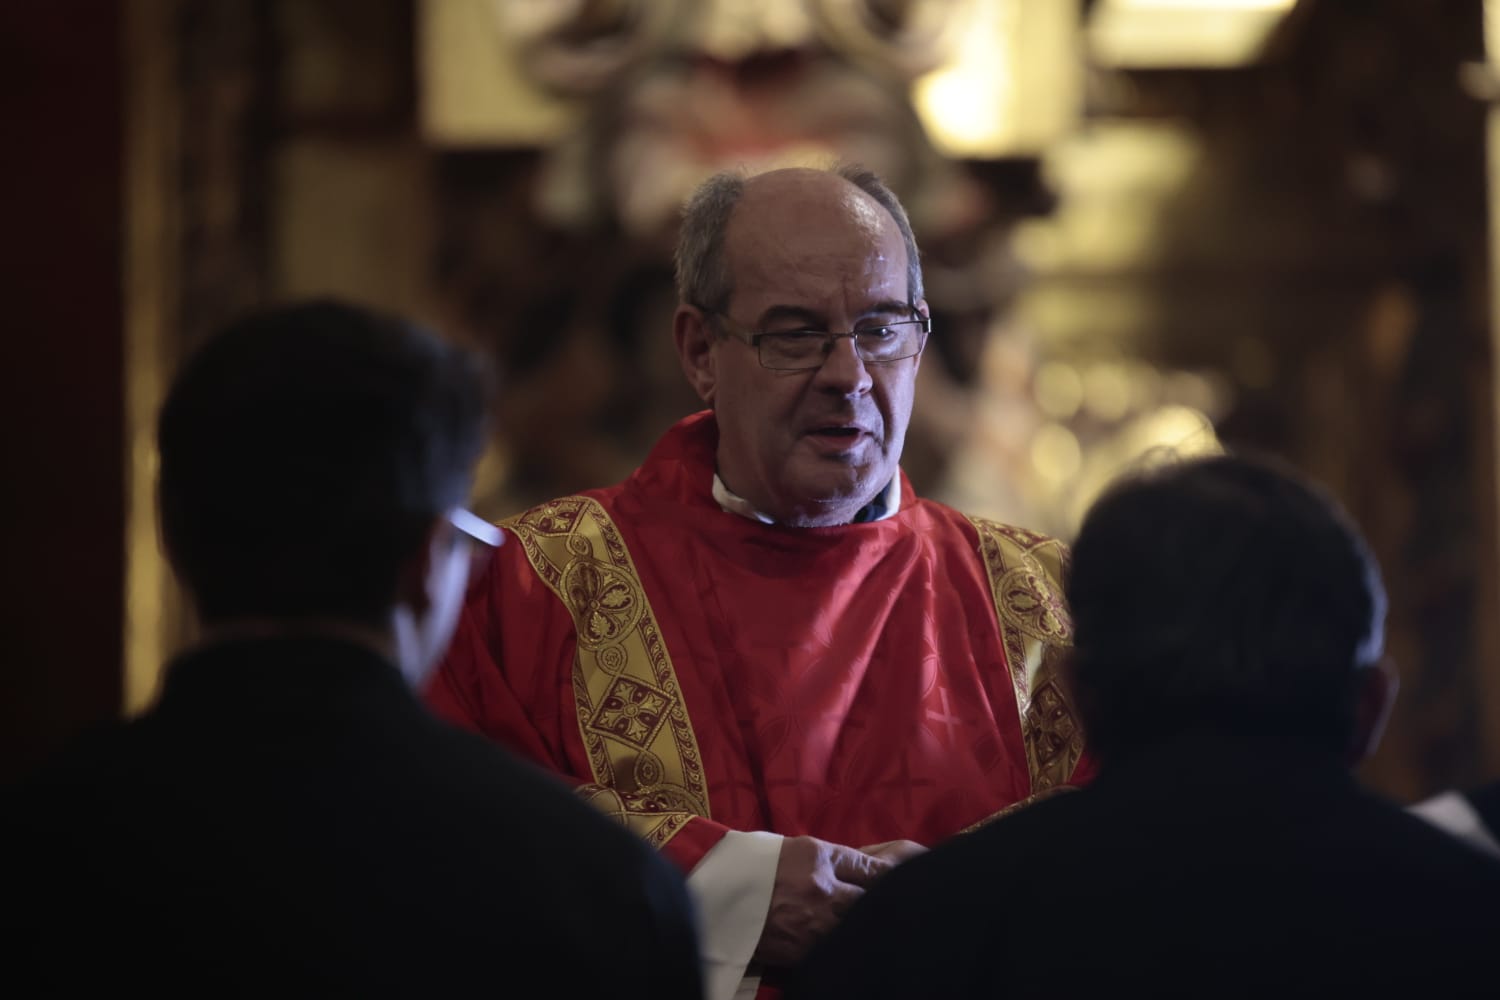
(814, 318)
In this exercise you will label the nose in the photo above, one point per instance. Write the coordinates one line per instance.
(842, 371)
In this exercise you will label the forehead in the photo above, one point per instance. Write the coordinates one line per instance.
(807, 239)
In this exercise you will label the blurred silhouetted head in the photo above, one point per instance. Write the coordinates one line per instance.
(305, 453)
(1224, 591)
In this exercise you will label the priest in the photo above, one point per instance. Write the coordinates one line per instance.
(762, 652)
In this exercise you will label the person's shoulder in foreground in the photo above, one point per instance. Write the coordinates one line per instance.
(288, 816)
(1229, 668)
(1473, 816)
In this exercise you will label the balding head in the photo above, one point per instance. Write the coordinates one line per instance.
(704, 276)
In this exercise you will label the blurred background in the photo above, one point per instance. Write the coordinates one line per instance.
(1145, 224)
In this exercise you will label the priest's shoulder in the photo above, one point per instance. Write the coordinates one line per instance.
(558, 515)
(997, 539)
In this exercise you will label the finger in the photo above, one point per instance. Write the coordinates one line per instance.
(857, 867)
(897, 851)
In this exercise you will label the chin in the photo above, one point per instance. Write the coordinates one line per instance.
(834, 501)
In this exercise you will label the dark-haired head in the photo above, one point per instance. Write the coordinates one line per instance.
(1226, 592)
(305, 452)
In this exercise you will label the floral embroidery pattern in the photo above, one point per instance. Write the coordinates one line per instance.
(631, 711)
(605, 605)
(1034, 607)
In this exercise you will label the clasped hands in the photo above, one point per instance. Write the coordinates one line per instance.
(816, 883)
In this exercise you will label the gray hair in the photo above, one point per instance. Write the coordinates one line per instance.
(703, 277)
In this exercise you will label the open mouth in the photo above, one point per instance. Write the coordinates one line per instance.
(838, 439)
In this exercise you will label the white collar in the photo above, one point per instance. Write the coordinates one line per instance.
(888, 498)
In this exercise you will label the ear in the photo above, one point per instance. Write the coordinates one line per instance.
(695, 343)
(1374, 697)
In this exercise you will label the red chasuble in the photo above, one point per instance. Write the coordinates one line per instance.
(691, 670)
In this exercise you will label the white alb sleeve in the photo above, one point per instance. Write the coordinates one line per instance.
(731, 886)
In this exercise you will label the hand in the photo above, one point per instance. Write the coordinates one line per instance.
(895, 851)
(816, 883)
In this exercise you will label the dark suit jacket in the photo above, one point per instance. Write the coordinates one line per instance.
(290, 820)
(1486, 802)
(1207, 867)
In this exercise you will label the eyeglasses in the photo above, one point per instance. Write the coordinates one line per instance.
(476, 528)
(802, 350)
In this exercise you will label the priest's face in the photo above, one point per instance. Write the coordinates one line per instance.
(808, 250)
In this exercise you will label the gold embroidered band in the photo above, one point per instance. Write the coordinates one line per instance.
(647, 770)
(1025, 571)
